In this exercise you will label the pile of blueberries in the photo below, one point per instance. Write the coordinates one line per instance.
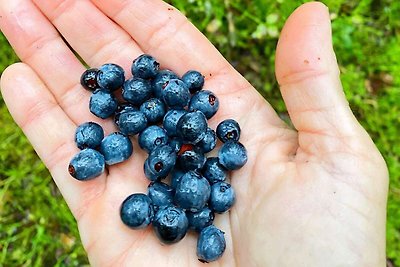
(170, 115)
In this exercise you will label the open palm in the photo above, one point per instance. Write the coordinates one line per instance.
(314, 196)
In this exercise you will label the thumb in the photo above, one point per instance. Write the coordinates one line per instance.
(308, 75)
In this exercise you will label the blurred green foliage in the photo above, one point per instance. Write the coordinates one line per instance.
(36, 227)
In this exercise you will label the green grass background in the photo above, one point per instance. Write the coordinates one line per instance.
(36, 227)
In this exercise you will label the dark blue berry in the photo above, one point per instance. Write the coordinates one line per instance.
(160, 162)
(137, 211)
(176, 95)
(102, 103)
(89, 79)
(208, 142)
(175, 143)
(161, 80)
(170, 224)
(228, 130)
(222, 197)
(194, 80)
(232, 155)
(110, 77)
(136, 91)
(201, 219)
(86, 165)
(116, 148)
(89, 135)
(160, 194)
(176, 175)
(204, 101)
(145, 66)
(213, 171)
(154, 110)
(131, 122)
(192, 127)
(211, 244)
(151, 137)
(171, 119)
(192, 191)
(191, 160)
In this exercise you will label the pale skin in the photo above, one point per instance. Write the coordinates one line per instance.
(310, 196)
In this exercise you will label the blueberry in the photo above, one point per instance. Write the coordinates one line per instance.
(211, 244)
(228, 130)
(201, 219)
(86, 165)
(136, 91)
(222, 197)
(131, 122)
(175, 94)
(152, 137)
(160, 194)
(192, 191)
(192, 127)
(160, 81)
(89, 79)
(176, 175)
(171, 119)
(170, 224)
(137, 211)
(191, 160)
(160, 162)
(154, 110)
(208, 142)
(206, 102)
(232, 155)
(110, 77)
(116, 148)
(175, 143)
(213, 171)
(102, 104)
(89, 135)
(194, 80)
(145, 66)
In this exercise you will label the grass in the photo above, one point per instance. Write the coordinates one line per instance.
(36, 227)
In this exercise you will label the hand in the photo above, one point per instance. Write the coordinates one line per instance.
(314, 196)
